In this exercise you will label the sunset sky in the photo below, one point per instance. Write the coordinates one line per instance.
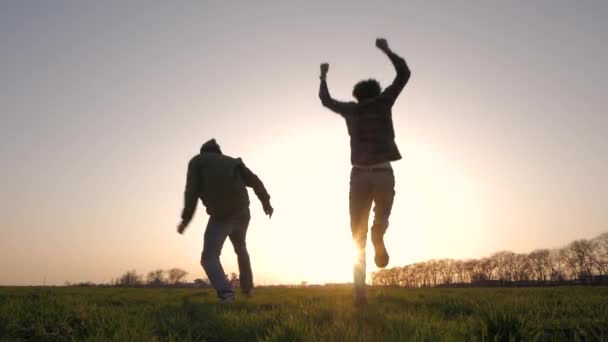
(503, 129)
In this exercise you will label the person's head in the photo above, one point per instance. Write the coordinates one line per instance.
(366, 89)
(211, 146)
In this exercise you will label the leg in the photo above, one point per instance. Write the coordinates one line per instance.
(360, 201)
(384, 194)
(215, 236)
(238, 238)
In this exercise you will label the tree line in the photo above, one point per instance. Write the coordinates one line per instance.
(174, 277)
(583, 262)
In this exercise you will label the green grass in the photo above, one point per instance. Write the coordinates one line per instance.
(309, 314)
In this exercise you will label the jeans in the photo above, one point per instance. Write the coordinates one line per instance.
(235, 228)
(367, 186)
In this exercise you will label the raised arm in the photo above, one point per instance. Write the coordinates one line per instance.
(253, 181)
(342, 108)
(403, 72)
(190, 194)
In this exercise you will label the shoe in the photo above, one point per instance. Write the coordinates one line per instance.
(381, 258)
(227, 297)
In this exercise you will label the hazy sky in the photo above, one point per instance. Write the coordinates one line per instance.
(503, 128)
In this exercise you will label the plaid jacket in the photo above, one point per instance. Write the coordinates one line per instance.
(370, 122)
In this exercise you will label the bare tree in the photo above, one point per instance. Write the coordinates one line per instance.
(446, 270)
(424, 273)
(460, 271)
(503, 262)
(540, 264)
(521, 266)
(578, 257)
(559, 266)
(130, 278)
(600, 254)
(581, 260)
(176, 275)
(485, 270)
(156, 278)
(405, 278)
(433, 271)
(376, 278)
(470, 267)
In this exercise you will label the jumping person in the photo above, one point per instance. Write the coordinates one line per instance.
(373, 148)
(220, 182)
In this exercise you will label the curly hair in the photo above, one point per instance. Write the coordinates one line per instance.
(211, 146)
(366, 89)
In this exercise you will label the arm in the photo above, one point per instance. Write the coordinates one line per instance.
(403, 72)
(190, 195)
(342, 108)
(253, 181)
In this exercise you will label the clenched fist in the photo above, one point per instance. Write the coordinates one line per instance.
(382, 44)
(324, 70)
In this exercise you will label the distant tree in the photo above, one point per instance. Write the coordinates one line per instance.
(600, 254)
(582, 260)
(376, 278)
(405, 276)
(433, 271)
(578, 257)
(392, 276)
(521, 267)
(488, 268)
(446, 271)
(423, 270)
(559, 267)
(504, 265)
(176, 275)
(156, 278)
(201, 282)
(540, 264)
(85, 284)
(130, 278)
(484, 268)
(234, 280)
(470, 267)
(460, 271)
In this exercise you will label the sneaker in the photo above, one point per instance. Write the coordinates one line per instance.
(381, 258)
(227, 297)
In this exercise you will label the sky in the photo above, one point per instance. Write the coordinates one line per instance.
(502, 127)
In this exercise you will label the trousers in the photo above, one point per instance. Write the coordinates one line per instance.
(367, 187)
(235, 228)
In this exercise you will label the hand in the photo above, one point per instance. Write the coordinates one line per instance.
(382, 44)
(324, 70)
(268, 210)
(181, 227)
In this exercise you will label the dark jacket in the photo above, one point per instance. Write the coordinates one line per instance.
(370, 122)
(220, 182)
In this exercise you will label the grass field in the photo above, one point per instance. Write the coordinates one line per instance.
(305, 314)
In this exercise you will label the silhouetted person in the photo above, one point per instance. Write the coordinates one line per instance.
(372, 146)
(220, 182)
